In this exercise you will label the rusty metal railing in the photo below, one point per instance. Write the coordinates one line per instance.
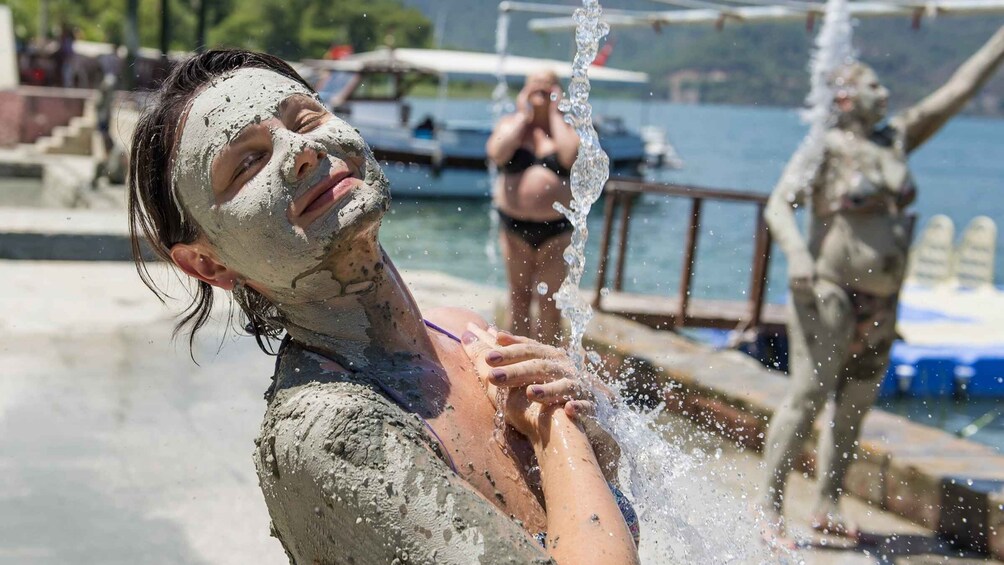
(621, 195)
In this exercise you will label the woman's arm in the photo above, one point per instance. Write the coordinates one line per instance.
(921, 121)
(584, 524)
(506, 138)
(508, 133)
(780, 217)
(349, 479)
(562, 133)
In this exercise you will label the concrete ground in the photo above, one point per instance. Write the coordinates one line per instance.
(116, 448)
(888, 538)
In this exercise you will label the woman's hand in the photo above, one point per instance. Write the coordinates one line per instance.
(544, 374)
(530, 419)
(545, 377)
(523, 106)
(581, 510)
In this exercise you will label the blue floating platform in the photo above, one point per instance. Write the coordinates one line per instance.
(925, 370)
(953, 344)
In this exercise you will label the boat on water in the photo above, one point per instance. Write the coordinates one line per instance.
(430, 156)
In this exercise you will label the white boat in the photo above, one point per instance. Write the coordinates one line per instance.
(435, 157)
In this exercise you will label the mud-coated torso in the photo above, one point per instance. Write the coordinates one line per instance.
(463, 427)
(530, 195)
(860, 234)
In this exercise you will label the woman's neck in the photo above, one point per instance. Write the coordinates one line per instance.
(360, 312)
(859, 126)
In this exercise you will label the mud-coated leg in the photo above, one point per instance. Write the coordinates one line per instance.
(859, 385)
(819, 332)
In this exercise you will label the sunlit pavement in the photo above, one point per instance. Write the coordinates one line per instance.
(116, 448)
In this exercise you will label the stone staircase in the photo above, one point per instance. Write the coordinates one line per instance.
(79, 137)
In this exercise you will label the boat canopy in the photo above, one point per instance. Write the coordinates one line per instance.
(439, 62)
(718, 12)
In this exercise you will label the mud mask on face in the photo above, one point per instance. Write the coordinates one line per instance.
(251, 231)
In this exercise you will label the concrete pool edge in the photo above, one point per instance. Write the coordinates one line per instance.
(902, 467)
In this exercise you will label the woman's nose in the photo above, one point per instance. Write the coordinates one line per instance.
(302, 158)
(304, 161)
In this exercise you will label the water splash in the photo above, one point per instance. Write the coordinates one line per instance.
(833, 49)
(501, 105)
(589, 174)
(685, 518)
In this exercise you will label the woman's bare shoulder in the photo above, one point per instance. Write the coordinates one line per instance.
(454, 319)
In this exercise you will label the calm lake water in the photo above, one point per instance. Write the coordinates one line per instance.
(960, 173)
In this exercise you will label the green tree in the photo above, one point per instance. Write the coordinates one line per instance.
(306, 28)
(292, 29)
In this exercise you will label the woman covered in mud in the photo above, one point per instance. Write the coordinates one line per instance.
(377, 444)
(845, 280)
(534, 150)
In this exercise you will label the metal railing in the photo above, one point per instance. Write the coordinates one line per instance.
(621, 195)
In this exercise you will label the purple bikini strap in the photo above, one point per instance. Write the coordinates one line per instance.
(442, 331)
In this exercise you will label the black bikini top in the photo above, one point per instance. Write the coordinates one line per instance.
(522, 159)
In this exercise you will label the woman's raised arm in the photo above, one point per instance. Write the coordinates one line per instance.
(922, 120)
(349, 480)
(508, 134)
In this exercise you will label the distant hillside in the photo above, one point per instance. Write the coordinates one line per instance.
(760, 64)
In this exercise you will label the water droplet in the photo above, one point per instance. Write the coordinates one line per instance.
(542, 288)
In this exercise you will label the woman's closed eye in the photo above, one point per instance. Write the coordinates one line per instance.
(243, 171)
(308, 121)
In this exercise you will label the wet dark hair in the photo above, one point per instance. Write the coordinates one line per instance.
(155, 214)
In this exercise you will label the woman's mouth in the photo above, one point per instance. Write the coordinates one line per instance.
(322, 197)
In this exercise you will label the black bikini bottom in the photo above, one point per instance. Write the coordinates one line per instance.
(534, 233)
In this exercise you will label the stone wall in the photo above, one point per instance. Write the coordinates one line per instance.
(30, 113)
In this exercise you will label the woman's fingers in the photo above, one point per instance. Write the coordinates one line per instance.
(530, 372)
(580, 409)
(477, 343)
(558, 392)
(517, 352)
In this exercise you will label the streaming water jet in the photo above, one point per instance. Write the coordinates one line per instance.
(684, 517)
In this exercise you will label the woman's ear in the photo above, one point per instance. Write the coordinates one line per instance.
(196, 260)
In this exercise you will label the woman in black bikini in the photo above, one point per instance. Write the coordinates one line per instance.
(377, 444)
(534, 150)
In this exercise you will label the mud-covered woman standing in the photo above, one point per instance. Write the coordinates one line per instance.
(845, 274)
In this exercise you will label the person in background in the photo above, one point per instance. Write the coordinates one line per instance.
(65, 60)
(534, 150)
(845, 277)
